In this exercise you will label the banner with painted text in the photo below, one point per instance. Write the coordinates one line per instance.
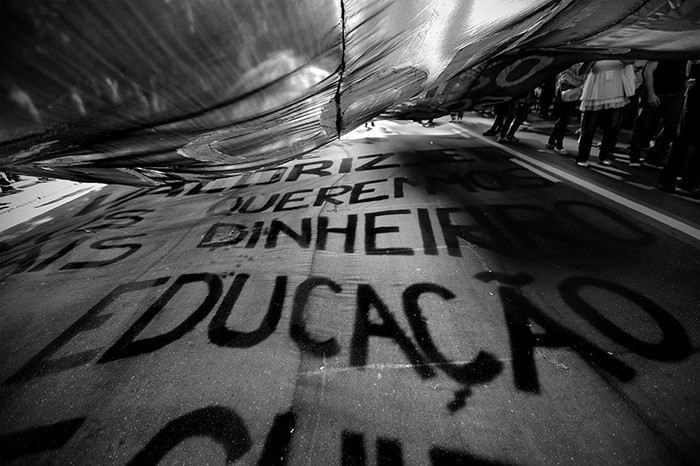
(146, 93)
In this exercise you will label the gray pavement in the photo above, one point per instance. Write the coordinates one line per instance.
(407, 295)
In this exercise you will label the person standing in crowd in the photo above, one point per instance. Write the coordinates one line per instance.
(501, 112)
(680, 161)
(607, 89)
(662, 99)
(568, 93)
(516, 118)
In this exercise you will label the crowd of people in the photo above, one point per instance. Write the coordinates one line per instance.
(8, 179)
(661, 99)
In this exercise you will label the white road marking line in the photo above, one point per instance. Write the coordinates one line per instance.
(629, 203)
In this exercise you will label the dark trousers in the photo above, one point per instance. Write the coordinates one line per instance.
(609, 119)
(669, 112)
(501, 112)
(547, 95)
(515, 118)
(566, 109)
(680, 162)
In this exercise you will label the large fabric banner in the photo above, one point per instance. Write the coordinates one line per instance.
(159, 91)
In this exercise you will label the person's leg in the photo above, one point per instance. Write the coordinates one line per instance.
(553, 136)
(655, 128)
(639, 134)
(566, 109)
(589, 121)
(653, 124)
(670, 110)
(498, 120)
(547, 96)
(521, 112)
(690, 177)
(499, 115)
(679, 148)
(508, 120)
(495, 126)
(611, 125)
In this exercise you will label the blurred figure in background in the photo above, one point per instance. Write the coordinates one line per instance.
(518, 114)
(6, 185)
(682, 162)
(661, 100)
(568, 92)
(607, 89)
(501, 113)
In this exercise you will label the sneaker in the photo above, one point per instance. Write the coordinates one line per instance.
(560, 151)
(490, 133)
(512, 139)
(582, 164)
(635, 164)
(501, 139)
(607, 162)
(549, 146)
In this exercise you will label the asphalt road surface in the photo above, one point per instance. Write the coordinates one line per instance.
(407, 295)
